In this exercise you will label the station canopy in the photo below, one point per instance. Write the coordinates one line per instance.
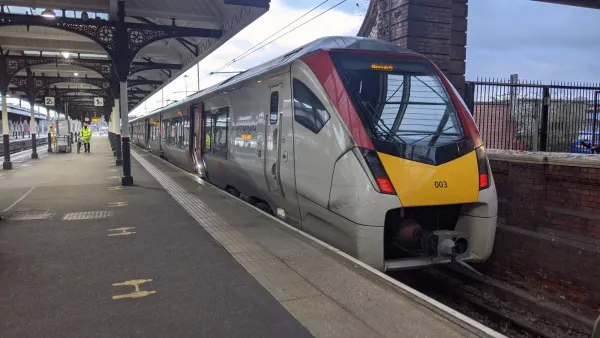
(59, 44)
(578, 3)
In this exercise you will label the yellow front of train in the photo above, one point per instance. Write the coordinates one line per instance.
(423, 146)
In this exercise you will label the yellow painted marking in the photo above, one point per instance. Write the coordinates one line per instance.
(117, 204)
(137, 293)
(122, 231)
(118, 187)
(113, 177)
(419, 184)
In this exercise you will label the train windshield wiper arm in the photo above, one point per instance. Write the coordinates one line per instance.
(436, 133)
(371, 113)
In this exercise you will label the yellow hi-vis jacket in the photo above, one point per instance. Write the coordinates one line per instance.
(207, 142)
(86, 134)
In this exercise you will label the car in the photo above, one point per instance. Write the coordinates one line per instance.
(585, 136)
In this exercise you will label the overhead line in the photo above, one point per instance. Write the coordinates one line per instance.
(255, 46)
(243, 56)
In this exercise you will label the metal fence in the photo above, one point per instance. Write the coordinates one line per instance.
(525, 115)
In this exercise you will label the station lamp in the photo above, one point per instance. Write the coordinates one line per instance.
(48, 13)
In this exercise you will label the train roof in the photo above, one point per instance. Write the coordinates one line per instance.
(324, 43)
(25, 112)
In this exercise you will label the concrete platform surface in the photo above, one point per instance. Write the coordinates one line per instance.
(172, 256)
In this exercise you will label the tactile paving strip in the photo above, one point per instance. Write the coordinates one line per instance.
(75, 216)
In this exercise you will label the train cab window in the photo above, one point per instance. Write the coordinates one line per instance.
(399, 100)
(308, 109)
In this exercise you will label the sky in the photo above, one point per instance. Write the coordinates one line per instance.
(538, 41)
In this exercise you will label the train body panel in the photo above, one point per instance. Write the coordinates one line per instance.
(359, 142)
(325, 139)
(259, 160)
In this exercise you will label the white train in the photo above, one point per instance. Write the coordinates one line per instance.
(359, 142)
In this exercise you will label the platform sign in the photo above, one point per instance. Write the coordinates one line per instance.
(98, 102)
(49, 101)
(62, 127)
(95, 119)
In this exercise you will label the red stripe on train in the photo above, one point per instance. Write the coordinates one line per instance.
(321, 65)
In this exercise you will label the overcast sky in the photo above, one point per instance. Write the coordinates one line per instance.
(536, 40)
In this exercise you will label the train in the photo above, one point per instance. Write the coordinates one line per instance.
(358, 142)
(19, 118)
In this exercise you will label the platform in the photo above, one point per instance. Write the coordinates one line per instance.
(172, 256)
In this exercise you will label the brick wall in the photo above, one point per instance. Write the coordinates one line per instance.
(435, 28)
(548, 237)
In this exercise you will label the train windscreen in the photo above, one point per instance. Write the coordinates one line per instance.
(402, 103)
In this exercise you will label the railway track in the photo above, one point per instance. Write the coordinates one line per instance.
(495, 307)
(491, 305)
(22, 145)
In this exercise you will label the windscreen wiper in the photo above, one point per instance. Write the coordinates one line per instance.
(438, 133)
(372, 112)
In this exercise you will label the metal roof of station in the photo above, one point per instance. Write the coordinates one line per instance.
(170, 57)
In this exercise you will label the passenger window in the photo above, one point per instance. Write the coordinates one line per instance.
(308, 109)
(186, 131)
(208, 119)
(164, 130)
(173, 135)
(220, 132)
(179, 132)
(274, 110)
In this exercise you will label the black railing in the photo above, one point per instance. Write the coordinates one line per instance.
(524, 115)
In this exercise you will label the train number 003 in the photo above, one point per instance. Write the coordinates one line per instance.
(440, 184)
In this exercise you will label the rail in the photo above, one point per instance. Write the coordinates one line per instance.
(20, 145)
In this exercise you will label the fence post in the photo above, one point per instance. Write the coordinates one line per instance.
(470, 97)
(544, 124)
(596, 111)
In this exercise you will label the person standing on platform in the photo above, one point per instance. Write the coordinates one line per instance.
(86, 136)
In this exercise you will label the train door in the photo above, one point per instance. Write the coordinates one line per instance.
(272, 141)
(198, 138)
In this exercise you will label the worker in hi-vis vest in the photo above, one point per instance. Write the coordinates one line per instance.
(86, 136)
(207, 143)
